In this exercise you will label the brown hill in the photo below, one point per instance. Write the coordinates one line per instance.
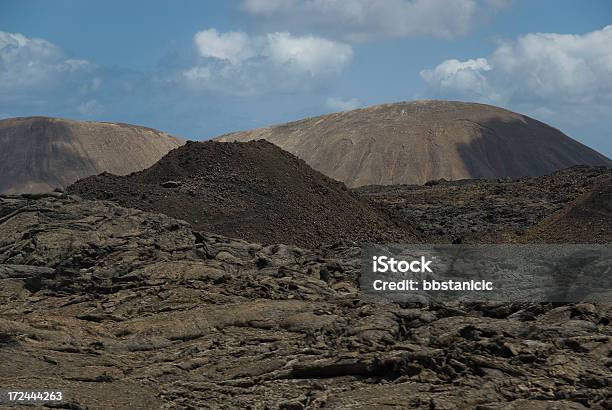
(415, 142)
(39, 154)
(586, 220)
(254, 191)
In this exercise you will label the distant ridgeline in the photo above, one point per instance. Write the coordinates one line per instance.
(416, 142)
(40, 154)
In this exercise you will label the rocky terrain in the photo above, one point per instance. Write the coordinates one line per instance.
(40, 154)
(588, 219)
(126, 309)
(250, 297)
(419, 141)
(492, 211)
(254, 191)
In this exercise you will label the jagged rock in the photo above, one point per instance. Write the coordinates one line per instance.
(126, 309)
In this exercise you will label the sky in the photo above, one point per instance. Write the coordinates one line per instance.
(198, 69)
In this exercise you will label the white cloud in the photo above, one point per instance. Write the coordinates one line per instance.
(538, 67)
(313, 54)
(238, 64)
(27, 63)
(339, 104)
(359, 20)
(574, 68)
(465, 77)
(231, 46)
(38, 77)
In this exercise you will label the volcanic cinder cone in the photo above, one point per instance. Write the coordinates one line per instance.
(416, 142)
(253, 190)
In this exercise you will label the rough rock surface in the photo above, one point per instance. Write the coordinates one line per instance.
(126, 309)
(588, 219)
(40, 154)
(254, 191)
(415, 142)
(498, 211)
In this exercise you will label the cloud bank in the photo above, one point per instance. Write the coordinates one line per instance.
(36, 65)
(362, 20)
(238, 64)
(538, 68)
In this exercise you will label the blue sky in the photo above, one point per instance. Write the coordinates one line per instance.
(202, 68)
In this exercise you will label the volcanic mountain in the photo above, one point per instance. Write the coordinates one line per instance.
(416, 142)
(255, 191)
(39, 154)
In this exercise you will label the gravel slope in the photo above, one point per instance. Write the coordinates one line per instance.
(254, 191)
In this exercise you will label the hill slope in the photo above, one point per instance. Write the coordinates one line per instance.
(253, 190)
(491, 211)
(586, 220)
(415, 142)
(39, 154)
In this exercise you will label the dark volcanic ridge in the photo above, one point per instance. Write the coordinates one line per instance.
(254, 191)
(494, 211)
